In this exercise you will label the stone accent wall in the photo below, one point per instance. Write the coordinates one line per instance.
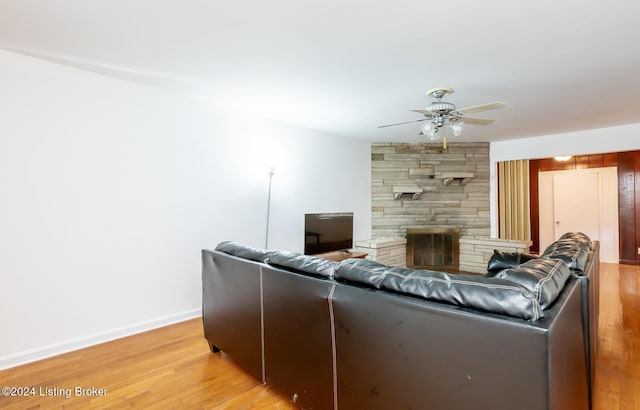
(462, 204)
(388, 251)
(475, 252)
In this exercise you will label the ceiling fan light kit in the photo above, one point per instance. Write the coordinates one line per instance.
(441, 113)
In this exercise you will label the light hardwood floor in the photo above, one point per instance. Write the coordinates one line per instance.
(172, 367)
(618, 364)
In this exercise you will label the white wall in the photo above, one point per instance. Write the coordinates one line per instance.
(595, 141)
(109, 190)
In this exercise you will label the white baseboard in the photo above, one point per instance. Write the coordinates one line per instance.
(33, 355)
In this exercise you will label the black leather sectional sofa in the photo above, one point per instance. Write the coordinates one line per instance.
(361, 335)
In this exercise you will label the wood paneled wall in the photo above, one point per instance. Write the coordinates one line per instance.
(628, 164)
(629, 206)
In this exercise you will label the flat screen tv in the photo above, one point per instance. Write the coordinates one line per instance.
(328, 232)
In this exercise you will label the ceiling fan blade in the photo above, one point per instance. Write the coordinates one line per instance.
(404, 122)
(482, 107)
(424, 112)
(476, 121)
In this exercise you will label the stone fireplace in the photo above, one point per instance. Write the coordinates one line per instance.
(442, 195)
(430, 207)
(422, 185)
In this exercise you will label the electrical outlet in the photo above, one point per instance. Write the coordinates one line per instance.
(638, 251)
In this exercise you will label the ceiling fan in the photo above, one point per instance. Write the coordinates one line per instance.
(440, 113)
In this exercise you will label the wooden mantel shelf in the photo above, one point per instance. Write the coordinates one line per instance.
(462, 177)
(413, 190)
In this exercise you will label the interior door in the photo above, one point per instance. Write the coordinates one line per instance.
(576, 204)
(580, 200)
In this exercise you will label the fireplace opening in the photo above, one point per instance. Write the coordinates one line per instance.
(433, 248)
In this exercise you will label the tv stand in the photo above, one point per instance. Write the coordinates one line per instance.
(338, 256)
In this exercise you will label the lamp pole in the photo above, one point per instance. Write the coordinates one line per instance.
(272, 171)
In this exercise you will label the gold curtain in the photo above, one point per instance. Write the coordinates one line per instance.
(513, 200)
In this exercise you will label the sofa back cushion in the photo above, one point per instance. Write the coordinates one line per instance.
(476, 292)
(572, 248)
(503, 260)
(544, 278)
(576, 237)
(361, 271)
(245, 252)
(303, 263)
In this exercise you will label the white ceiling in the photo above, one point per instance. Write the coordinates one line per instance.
(347, 66)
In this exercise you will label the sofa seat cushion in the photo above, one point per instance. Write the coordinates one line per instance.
(303, 263)
(245, 252)
(572, 248)
(544, 278)
(503, 260)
